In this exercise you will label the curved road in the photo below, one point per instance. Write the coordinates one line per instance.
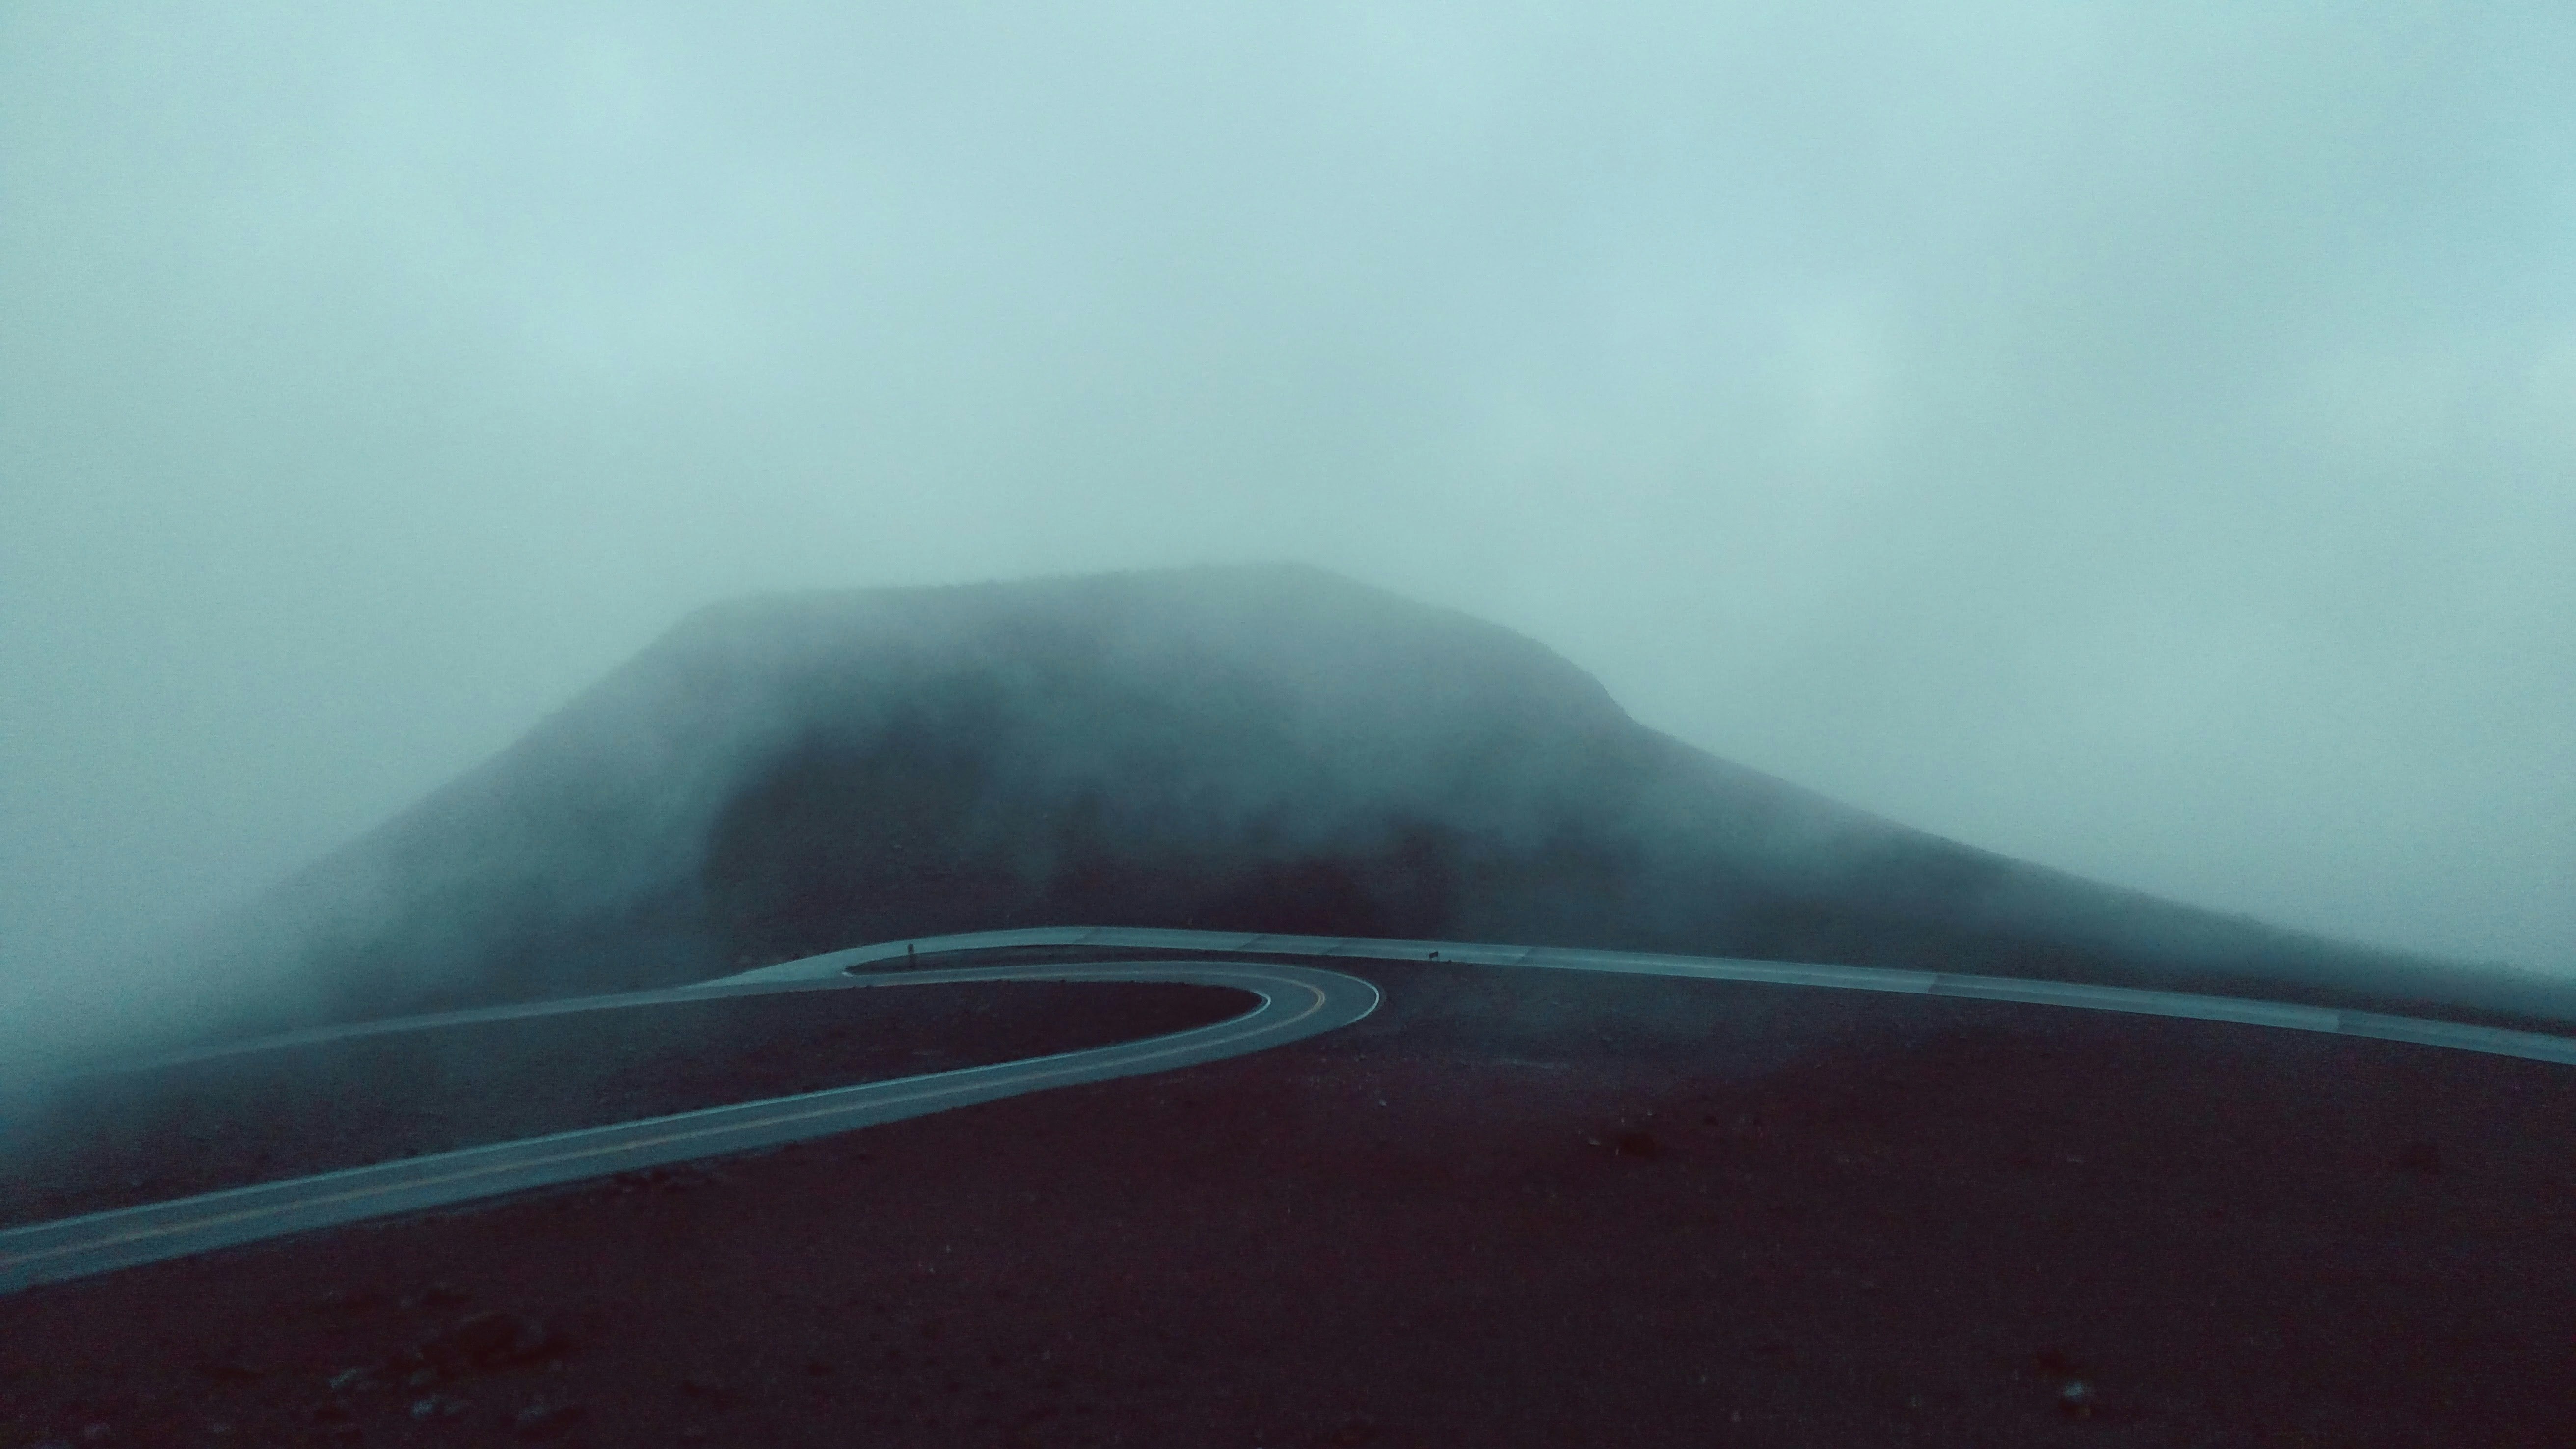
(2491, 1041)
(1296, 1002)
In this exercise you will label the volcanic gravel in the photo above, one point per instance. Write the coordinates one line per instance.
(117, 1139)
(1513, 1208)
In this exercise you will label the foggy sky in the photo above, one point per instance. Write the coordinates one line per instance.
(2141, 439)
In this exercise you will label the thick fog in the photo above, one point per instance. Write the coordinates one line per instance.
(2140, 439)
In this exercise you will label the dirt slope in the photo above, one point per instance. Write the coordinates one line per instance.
(1544, 1217)
(1263, 749)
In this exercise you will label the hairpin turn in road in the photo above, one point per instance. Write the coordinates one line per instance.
(1296, 1002)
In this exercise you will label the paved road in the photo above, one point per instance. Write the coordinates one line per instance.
(2492, 1041)
(1296, 1002)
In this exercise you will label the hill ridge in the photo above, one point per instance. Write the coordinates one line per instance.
(1268, 747)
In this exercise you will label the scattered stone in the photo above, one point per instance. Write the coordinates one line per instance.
(357, 1380)
(2076, 1396)
(441, 1294)
(1641, 1145)
(543, 1420)
(708, 1391)
(438, 1406)
(1350, 1433)
(350, 1301)
(490, 1339)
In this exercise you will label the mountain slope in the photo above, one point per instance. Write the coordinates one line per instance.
(1267, 748)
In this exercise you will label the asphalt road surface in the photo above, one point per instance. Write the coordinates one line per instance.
(1296, 1002)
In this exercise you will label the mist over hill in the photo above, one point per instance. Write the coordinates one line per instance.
(1265, 749)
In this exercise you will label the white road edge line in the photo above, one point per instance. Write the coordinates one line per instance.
(1292, 1003)
(2421, 1031)
(98, 1242)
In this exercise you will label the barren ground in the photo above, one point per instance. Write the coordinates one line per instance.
(117, 1139)
(1512, 1209)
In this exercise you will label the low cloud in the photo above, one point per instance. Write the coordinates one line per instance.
(2133, 440)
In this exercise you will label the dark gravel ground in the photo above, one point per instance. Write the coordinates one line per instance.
(119, 1139)
(1511, 1209)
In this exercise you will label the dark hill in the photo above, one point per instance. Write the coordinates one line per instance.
(1261, 749)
